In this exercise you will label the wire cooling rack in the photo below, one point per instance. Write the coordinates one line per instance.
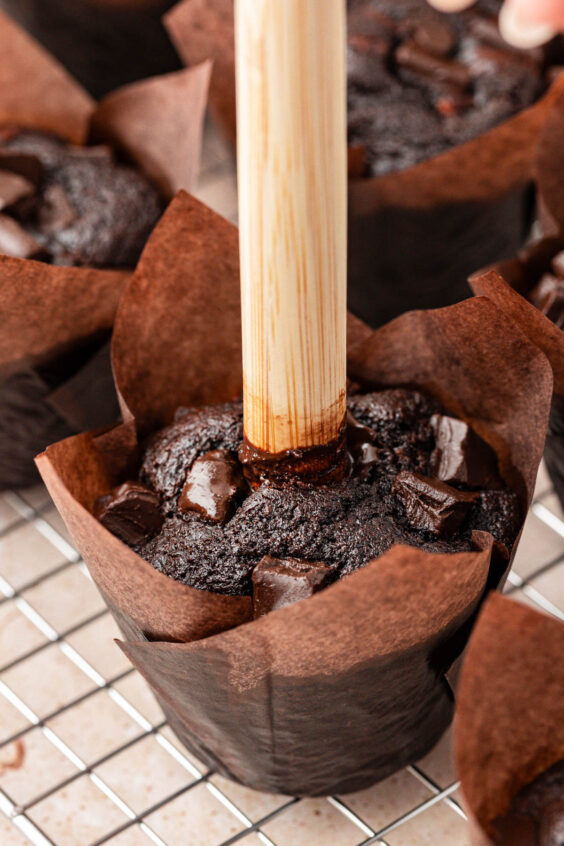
(86, 757)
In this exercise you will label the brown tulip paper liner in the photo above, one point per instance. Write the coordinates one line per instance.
(509, 283)
(204, 29)
(335, 692)
(56, 317)
(416, 235)
(509, 725)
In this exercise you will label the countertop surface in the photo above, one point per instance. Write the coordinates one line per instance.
(85, 754)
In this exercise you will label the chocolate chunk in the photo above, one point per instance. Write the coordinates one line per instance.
(214, 487)
(558, 265)
(56, 212)
(344, 525)
(130, 512)
(485, 28)
(411, 56)
(430, 505)
(13, 188)
(435, 36)
(279, 582)
(15, 241)
(24, 164)
(360, 444)
(357, 163)
(461, 456)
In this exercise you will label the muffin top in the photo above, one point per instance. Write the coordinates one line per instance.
(71, 205)
(416, 476)
(421, 82)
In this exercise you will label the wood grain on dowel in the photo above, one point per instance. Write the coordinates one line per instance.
(292, 172)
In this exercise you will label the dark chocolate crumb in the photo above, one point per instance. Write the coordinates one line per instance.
(343, 525)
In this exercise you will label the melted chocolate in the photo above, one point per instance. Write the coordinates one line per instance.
(319, 465)
(280, 582)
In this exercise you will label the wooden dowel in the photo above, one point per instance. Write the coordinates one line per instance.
(292, 177)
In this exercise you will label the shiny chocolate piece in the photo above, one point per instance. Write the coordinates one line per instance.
(214, 487)
(16, 242)
(360, 443)
(411, 56)
(278, 582)
(430, 505)
(461, 456)
(317, 465)
(13, 188)
(435, 36)
(131, 512)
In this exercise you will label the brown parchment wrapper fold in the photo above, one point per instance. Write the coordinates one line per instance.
(509, 725)
(509, 283)
(333, 693)
(47, 312)
(414, 236)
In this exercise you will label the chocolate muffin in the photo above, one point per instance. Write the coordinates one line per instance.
(72, 205)
(415, 476)
(421, 82)
(536, 815)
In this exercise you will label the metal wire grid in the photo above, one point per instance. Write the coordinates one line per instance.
(19, 814)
